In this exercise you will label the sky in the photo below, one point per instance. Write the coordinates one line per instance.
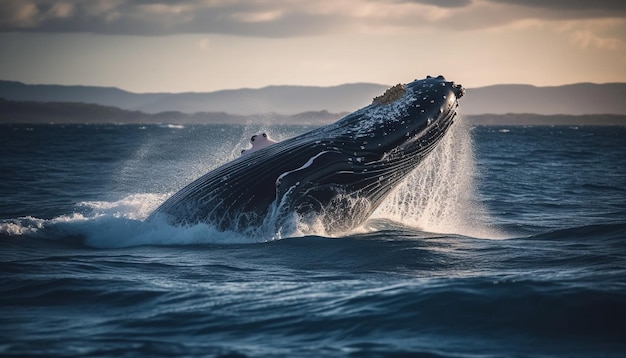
(209, 45)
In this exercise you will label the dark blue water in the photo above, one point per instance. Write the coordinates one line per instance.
(518, 250)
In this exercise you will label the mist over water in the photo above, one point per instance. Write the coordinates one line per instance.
(438, 196)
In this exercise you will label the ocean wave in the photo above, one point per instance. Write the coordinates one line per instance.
(116, 224)
(609, 232)
(120, 223)
(603, 187)
(339, 318)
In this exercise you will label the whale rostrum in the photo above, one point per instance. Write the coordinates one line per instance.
(339, 173)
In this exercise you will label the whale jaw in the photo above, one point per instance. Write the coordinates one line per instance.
(337, 174)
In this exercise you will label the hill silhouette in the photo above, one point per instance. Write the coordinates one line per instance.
(29, 112)
(575, 99)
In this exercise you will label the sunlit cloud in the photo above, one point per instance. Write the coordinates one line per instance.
(19, 15)
(597, 34)
(440, 3)
(204, 45)
(61, 10)
(286, 18)
(207, 44)
(264, 16)
(596, 7)
(587, 39)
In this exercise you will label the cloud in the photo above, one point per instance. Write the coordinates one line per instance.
(285, 18)
(278, 18)
(17, 15)
(605, 7)
(587, 39)
(600, 34)
(441, 3)
(204, 45)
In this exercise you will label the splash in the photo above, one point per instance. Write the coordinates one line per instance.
(440, 195)
(118, 224)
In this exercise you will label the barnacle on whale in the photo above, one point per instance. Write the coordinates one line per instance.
(391, 94)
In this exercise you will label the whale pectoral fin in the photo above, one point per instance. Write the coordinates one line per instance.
(258, 141)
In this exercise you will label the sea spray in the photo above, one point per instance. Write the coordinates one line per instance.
(120, 224)
(440, 194)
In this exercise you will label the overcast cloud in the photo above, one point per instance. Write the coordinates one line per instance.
(284, 18)
(200, 45)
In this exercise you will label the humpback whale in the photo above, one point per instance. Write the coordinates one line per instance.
(337, 174)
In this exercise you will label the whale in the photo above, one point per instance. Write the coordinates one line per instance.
(336, 174)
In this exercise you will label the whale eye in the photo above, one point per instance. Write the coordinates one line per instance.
(264, 135)
(253, 137)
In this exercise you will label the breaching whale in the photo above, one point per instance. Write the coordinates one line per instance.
(337, 174)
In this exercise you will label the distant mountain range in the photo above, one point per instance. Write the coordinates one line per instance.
(29, 112)
(273, 99)
(32, 112)
(574, 99)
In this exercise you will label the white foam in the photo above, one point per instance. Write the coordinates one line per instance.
(172, 126)
(24, 226)
(120, 223)
(439, 196)
(134, 206)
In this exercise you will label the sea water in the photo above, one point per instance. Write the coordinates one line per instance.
(506, 241)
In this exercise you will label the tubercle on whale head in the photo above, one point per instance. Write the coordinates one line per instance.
(396, 92)
(459, 91)
(391, 95)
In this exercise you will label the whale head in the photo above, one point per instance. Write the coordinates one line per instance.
(339, 173)
(354, 163)
(404, 119)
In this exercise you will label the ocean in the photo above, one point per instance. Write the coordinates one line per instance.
(505, 242)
